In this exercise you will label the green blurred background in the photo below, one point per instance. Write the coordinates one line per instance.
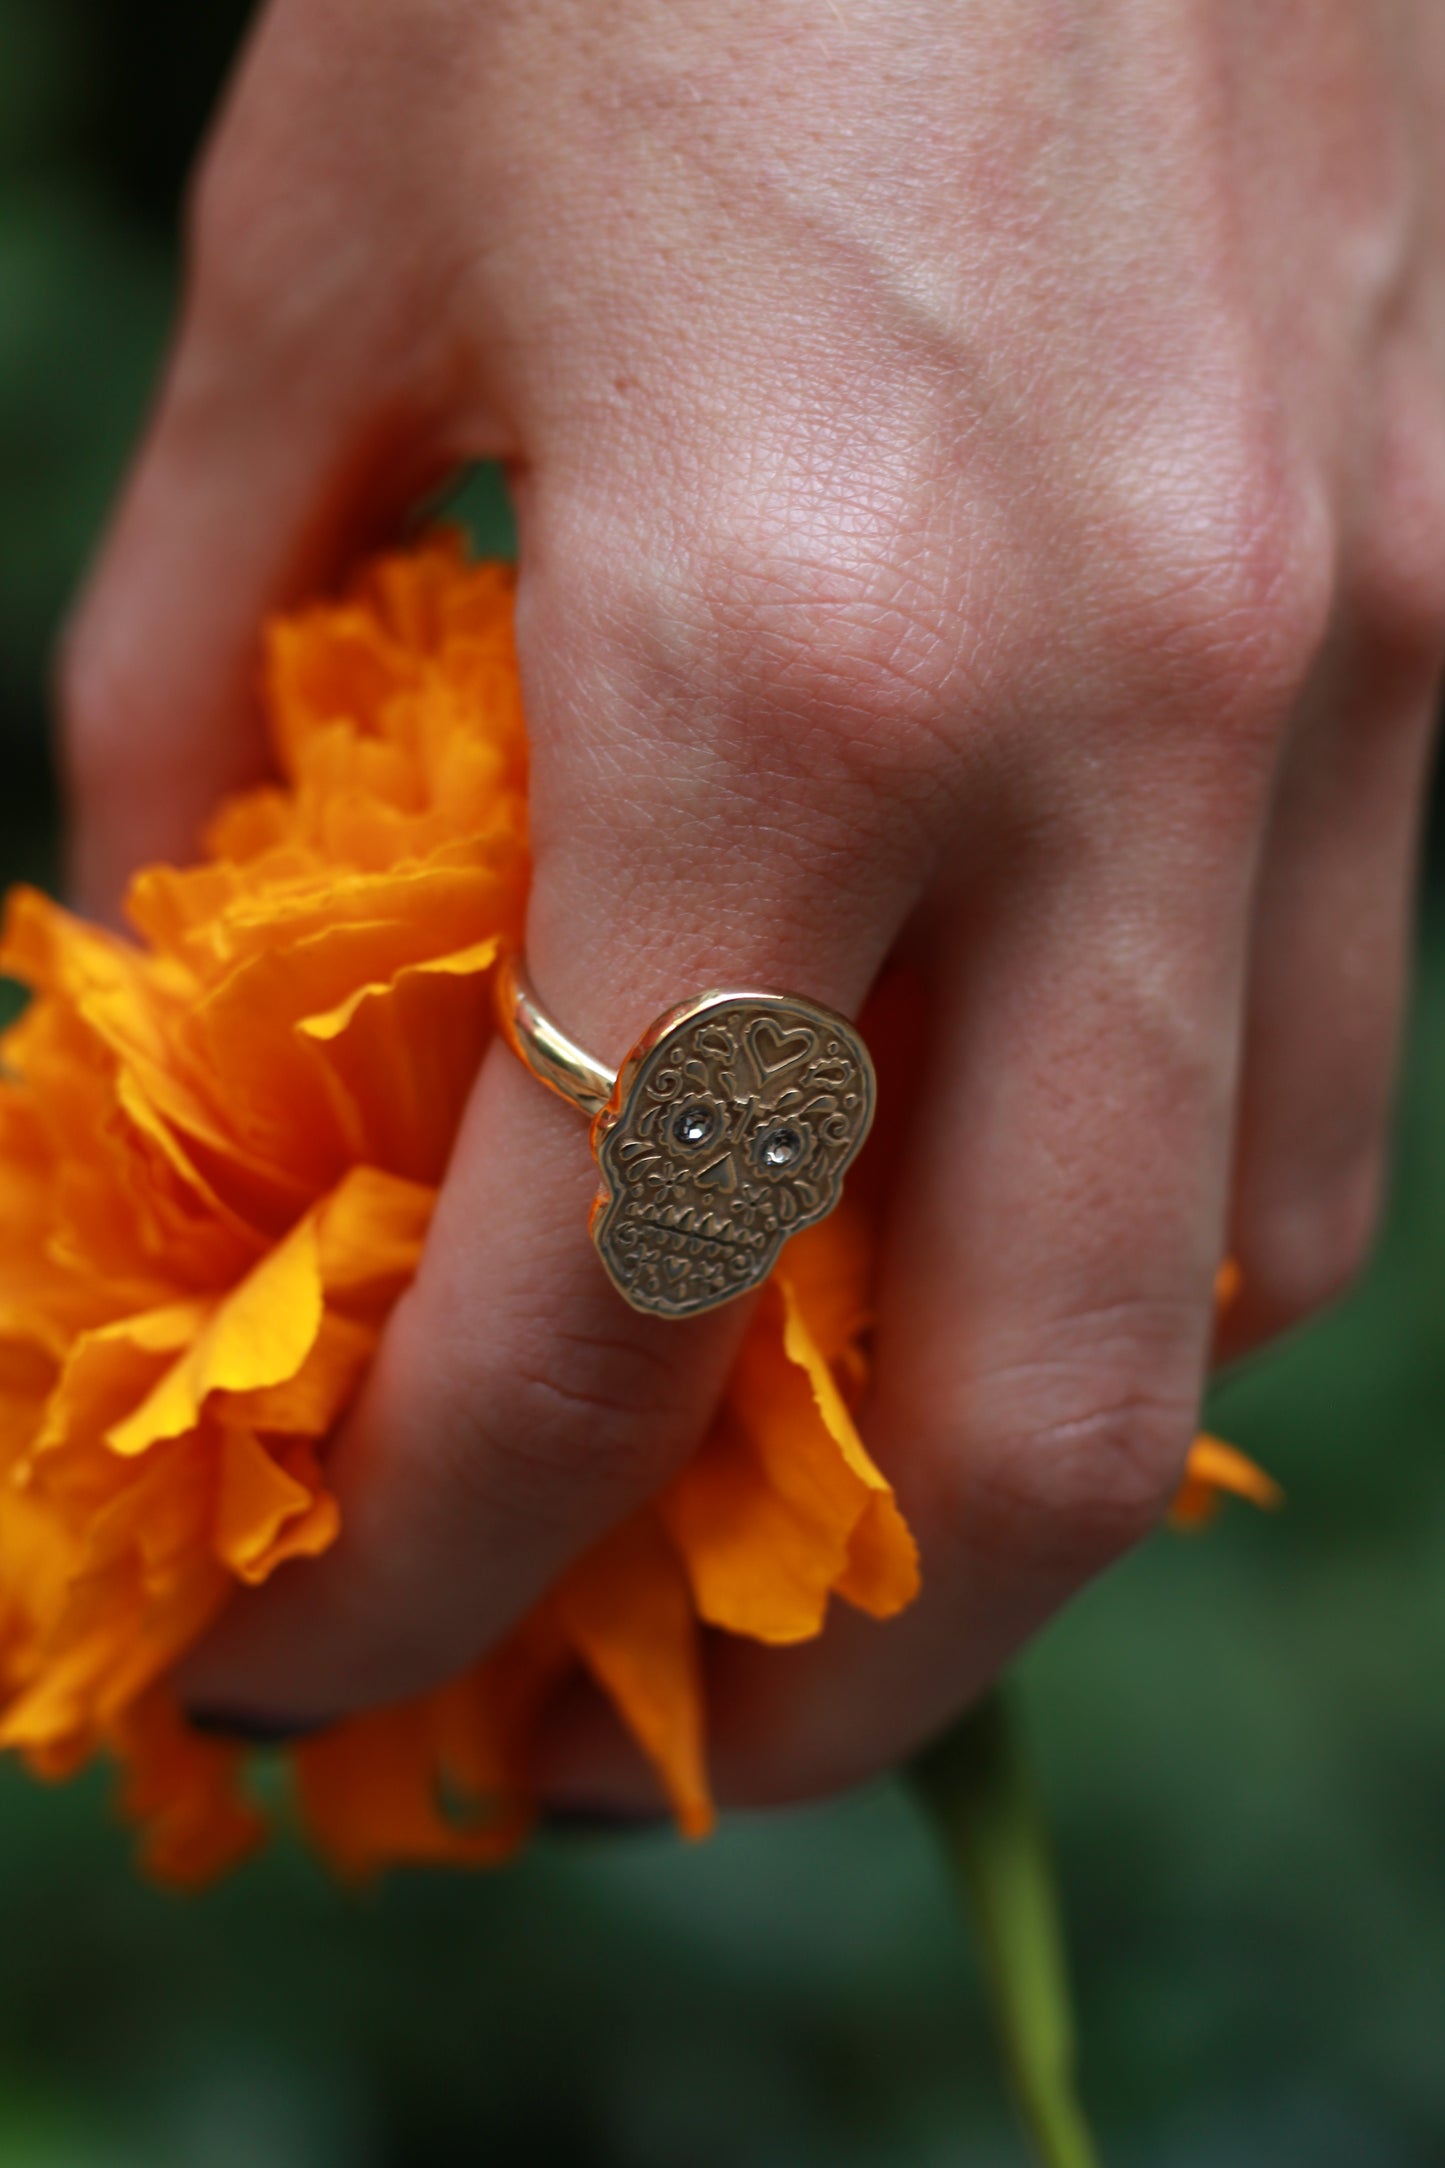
(1242, 1737)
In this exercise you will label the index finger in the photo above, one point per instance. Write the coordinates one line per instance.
(518, 1408)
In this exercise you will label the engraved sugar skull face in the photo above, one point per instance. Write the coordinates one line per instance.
(733, 1124)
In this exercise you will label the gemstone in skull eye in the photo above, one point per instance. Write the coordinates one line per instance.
(694, 1125)
(780, 1147)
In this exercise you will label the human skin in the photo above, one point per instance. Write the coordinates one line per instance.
(980, 473)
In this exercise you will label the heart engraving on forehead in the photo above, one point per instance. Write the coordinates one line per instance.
(774, 1048)
(730, 1128)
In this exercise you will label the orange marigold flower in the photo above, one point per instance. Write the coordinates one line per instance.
(219, 1147)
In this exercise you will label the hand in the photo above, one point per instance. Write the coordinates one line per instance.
(981, 479)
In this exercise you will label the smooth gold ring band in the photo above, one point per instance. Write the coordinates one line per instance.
(553, 1058)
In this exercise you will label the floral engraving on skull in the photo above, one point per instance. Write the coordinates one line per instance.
(731, 1132)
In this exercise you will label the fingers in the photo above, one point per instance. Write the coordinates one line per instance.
(296, 420)
(1045, 1311)
(1332, 926)
(248, 490)
(1070, 1359)
(1326, 998)
(518, 1408)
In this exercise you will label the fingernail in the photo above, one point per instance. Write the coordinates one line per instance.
(246, 1730)
(600, 1821)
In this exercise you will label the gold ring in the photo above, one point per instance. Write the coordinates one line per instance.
(728, 1127)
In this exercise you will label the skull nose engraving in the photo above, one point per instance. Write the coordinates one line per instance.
(721, 1176)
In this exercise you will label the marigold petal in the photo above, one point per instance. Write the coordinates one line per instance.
(783, 1507)
(110, 1649)
(256, 1501)
(111, 1369)
(186, 1792)
(753, 1557)
(626, 1608)
(373, 1792)
(310, 1403)
(370, 1233)
(829, 1269)
(257, 1336)
(404, 1052)
(1213, 1470)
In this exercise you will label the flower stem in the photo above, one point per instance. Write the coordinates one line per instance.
(978, 1789)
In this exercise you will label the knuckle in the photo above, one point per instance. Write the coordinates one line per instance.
(583, 1424)
(830, 599)
(1300, 1256)
(1069, 1493)
(594, 1389)
(1064, 1464)
(778, 638)
(1222, 575)
(266, 288)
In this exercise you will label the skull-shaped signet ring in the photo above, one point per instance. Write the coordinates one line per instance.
(728, 1127)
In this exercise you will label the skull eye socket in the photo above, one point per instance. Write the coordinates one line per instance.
(779, 1148)
(695, 1126)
